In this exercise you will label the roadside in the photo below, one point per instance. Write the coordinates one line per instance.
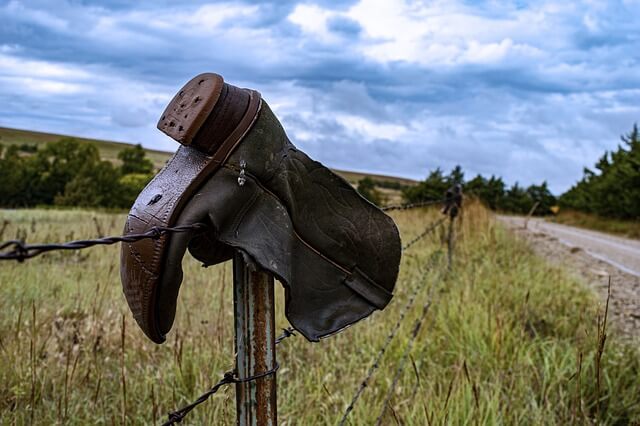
(623, 228)
(594, 256)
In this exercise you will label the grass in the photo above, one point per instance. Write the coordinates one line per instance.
(626, 228)
(508, 339)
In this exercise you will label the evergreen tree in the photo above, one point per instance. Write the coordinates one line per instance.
(432, 188)
(614, 190)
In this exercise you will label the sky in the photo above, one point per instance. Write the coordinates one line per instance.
(530, 91)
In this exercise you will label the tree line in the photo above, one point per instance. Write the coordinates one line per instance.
(492, 191)
(71, 173)
(613, 189)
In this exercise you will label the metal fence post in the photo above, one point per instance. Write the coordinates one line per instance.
(453, 205)
(254, 310)
(450, 243)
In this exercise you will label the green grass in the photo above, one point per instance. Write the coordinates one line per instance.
(626, 228)
(502, 342)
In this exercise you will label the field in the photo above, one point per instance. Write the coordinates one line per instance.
(508, 339)
(109, 151)
(626, 228)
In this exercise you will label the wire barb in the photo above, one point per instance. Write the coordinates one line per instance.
(411, 205)
(228, 378)
(407, 350)
(429, 229)
(286, 332)
(20, 251)
(376, 362)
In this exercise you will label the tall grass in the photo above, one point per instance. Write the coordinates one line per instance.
(508, 339)
(626, 228)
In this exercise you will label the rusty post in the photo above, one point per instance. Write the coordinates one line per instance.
(452, 207)
(450, 243)
(256, 402)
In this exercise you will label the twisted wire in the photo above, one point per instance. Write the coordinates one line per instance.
(411, 205)
(20, 251)
(429, 229)
(394, 330)
(228, 378)
(417, 325)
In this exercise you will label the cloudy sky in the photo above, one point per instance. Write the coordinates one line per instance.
(527, 90)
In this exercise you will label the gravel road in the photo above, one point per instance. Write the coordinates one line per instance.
(623, 253)
(594, 256)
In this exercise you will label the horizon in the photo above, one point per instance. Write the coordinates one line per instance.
(527, 91)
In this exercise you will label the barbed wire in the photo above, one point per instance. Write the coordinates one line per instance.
(376, 364)
(20, 251)
(412, 205)
(452, 208)
(228, 378)
(417, 325)
(424, 233)
(394, 330)
(286, 333)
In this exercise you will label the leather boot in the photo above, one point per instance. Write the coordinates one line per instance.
(336, 254)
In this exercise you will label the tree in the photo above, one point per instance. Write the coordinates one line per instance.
(614, 189)
(517, 200)
(367, 188)
(70, 173)
(134, 161)
(540, 194)
(12, 177)
(57, 164)
(490, 191)
(456, 176)
(95, 186)
(131, 185)
(432, 188)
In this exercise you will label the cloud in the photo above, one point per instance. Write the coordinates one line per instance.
(344, 26)
(527, 90)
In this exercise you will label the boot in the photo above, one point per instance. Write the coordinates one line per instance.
(336, 254)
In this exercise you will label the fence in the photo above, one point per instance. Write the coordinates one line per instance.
(260, 407)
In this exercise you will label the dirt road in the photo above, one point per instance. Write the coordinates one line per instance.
(623, 253)
(595, 256)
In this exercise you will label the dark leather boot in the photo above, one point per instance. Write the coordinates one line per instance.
(336, 254)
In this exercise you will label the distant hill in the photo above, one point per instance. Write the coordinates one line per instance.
(109, 151)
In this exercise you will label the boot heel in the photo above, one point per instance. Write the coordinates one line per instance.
(190, 107)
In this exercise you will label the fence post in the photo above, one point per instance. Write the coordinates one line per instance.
(453, 204)
(256, 401)
(450, 243)
(533, 209)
